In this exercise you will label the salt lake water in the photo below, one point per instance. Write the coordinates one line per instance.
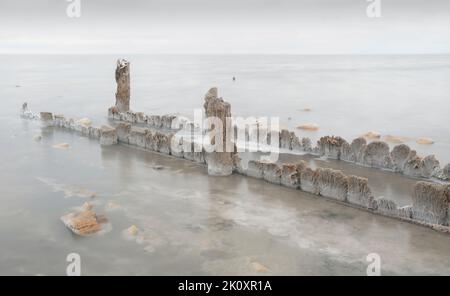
(189, 222)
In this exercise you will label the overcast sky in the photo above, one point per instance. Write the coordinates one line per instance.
(226, 26)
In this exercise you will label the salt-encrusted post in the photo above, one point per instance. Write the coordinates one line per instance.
(123, 86)
(220, 162)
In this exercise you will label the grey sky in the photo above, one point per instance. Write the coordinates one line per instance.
(226, 26)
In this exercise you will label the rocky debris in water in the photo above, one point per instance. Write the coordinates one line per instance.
(332, 184)
(161, 142)
(94, 132)
(220, 162)
(238, 165)
(290, 174)
(132, 230)
(425, 141)
(285, 139)
(413, 165)
(331, 146)
(113, 113)
(167, 121)
(446, 171)
(386, 206)
(123, 85)
(296, 143)
(399, 156)
(46, 118)
(84, 121)
(193, 151)
(110, 206)
(308, 181)
(358, 148)
(430, 167)
(377, 155)
(389, 208)
(123, 132)
(87, 206)
(137, 137)
(61, 146)
(372, 135)
(176, 146)
(347, 153)
(255, 169)
(272, 173)
(307, 144)
(431, 203)
(258, 267)
(59, 120)
(108, 135)
(308, 127)
(154, 121)
(396, 139)
(84, 223)
(141, 118)
(359, 192)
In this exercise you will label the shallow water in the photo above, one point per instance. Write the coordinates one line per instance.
(190, 223)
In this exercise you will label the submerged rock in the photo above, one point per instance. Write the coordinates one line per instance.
(399, 156)
(359, 192)
(431, 203)
(332, 183)
(377, 155)
(258, 267)
(83, 223)
(396, 139)
(123, 86)
(108, 135)
(308, 127)
(132, 230)
(425, 141)
(220, 162)
(61, 146)
(372, 135)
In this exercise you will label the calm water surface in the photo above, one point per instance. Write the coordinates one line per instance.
(191, 223)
